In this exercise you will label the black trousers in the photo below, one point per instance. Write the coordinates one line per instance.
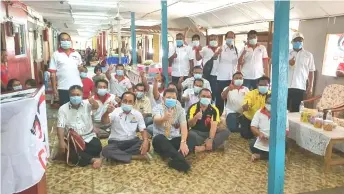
(213, 83)
(295, 96)
(251, 83)
(169, 148)
(221, 84)
(92, 150)
(63, 97)
(245, 130)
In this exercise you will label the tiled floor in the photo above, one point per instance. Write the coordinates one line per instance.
(220, 172)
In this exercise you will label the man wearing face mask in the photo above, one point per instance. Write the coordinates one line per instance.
(228, 61)
(253, 101)
(181, 57)
(63, 68)
(119, 83)
(196, 47)
(191, 96)
(203, 119)
(87, 83)
(123, 144)
(260, 127)
(76, 115)
(301, 70)
(234, 94)
(189, 82)
(211, 52)
(253, 61)
(170, 132)
(103, 98)
(143, 104)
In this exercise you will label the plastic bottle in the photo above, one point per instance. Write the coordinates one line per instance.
(302, 107)
(329, 115)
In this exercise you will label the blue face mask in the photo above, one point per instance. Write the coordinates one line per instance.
(297, 45)
(230, 41)
(253, 41)
(75, 100)
(66, 44)
(263, 89)
(83, 75)
(197, 89)
(179, 43)
(170, 103)
(126, 107)
(139, 95)
(198, 76)
(102, 92)
(119, 72)
(205, 101)
(238, 82)
(213, 43)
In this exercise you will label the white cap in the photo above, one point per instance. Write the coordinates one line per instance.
(297, 35)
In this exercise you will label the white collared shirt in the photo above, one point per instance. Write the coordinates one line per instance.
(97, 114)
(80, 120)
(66, 68)
(189, 83)
(207, 53)
(196, 63)
(228, 61)
(124, 126)
(181, 64)
(262, 122)
(193, 98)
(235, 99)
(119, 87)
(253, 67)
(298, 74)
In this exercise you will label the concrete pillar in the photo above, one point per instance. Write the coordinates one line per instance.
(164, 41)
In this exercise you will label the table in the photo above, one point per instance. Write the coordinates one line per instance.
(24, 142)
(317, 141)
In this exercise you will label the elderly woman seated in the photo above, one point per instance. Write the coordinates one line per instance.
(82, 147)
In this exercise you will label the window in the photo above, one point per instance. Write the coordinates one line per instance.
(19, 39)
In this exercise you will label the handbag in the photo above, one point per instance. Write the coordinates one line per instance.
(77, 142)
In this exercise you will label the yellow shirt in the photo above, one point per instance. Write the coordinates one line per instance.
(255, 102)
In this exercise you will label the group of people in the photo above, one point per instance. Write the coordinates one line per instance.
(180, 117)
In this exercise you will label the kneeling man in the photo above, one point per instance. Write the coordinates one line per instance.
(203, 118)
(123, 144)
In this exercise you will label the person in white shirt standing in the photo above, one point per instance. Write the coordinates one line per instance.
(228, 61)
(181, 57)
(301, 69)
(211, 52)
(123, 144)
(253, 61)
(234, 94)
(196, 47)
(63, 67)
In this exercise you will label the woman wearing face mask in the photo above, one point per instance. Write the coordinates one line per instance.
(63, 67)
(260, 127)
(196, 47)
(88, 85)
(253, 61)
(14, 85)
(76, 115)
(234, 96)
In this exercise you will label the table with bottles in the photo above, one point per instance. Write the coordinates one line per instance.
(311, 136)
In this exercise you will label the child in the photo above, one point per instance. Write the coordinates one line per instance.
(30, 83)
(87, 83)
(98, 74)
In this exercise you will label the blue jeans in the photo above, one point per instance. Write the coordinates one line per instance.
(232, 122)
(150, 129)
(251, 84)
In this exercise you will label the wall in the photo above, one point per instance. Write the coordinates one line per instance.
(18, 66)
(315, 32)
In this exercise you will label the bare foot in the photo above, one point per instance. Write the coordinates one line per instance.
(199, 149)
(97, 163)
(255, 157)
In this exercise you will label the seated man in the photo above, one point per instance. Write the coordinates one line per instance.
(203, 118)
(76, 115)
(189, 82)
(234, 96)
(143, 104)
(103, 98)
(191, 95)
(30, 83)
(170, 131)
(260, 127)
(123, 144)
(253, 101)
